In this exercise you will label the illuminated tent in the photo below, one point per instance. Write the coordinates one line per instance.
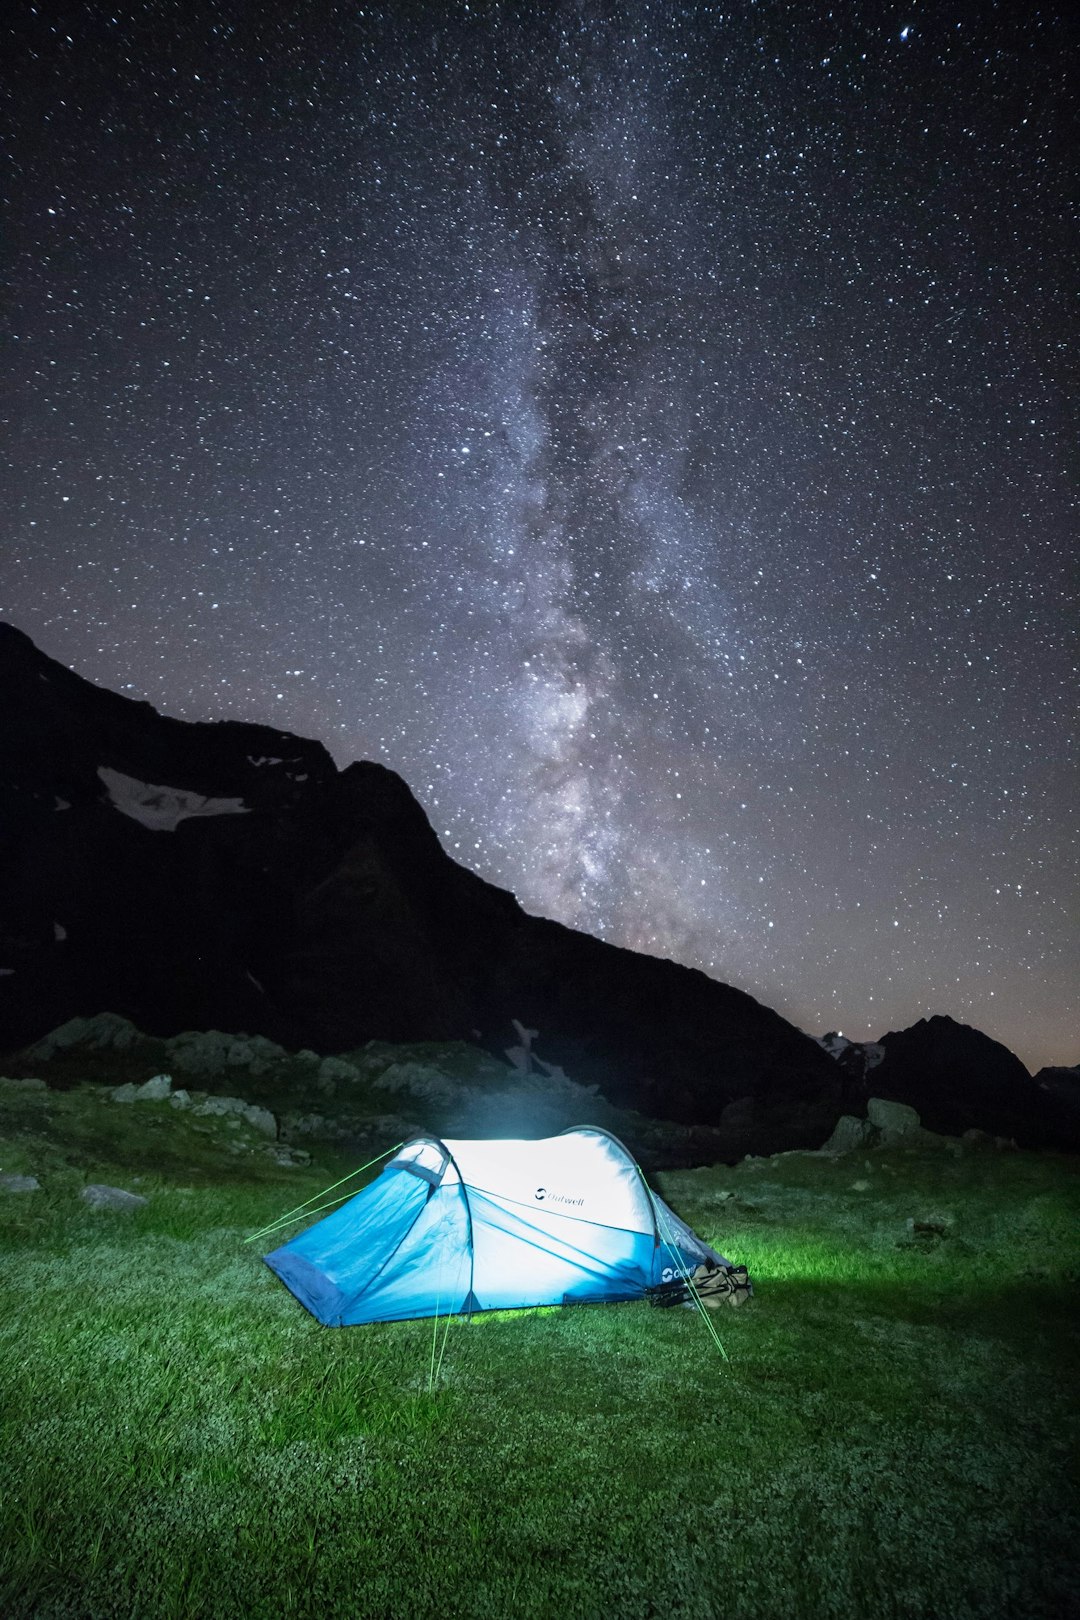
(454, 1226)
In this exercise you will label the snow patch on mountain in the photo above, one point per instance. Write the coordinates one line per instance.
(159, 808)
(836, 1045)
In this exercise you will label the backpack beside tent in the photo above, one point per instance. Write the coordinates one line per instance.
(455, 1226)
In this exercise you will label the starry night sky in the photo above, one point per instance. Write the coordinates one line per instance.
(645, 427)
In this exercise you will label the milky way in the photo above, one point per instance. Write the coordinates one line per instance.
(643, 427)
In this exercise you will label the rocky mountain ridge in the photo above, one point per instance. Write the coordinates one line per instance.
(224, 875)
(227, 876)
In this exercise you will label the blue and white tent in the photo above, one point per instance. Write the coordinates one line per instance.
(454, 1226)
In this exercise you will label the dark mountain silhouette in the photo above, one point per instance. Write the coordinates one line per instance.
(960, 1079)
(226, 875)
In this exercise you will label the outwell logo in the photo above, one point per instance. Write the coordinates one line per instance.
(541, 1195)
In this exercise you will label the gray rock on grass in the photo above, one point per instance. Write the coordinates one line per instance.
(332, 1069)
(156, 1089)
(849, 1134)
(19, 1184)
(209, 1051)
(896, 1118)
(99, 1196)
(104, 1032)
(289, 1158)
(260, 1119)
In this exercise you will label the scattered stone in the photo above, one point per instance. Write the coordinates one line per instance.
(24, 1085)
(333, 1069)
(260, 1119)
(18, 1184)
(289, 1158)
(180, 1099)
(255, 1053)
(895, 1117)
(1005, 1144)
(104, 1032)
(99, 1196)
(206, 1052)
(976, 1138)
(306, 1124)
(155, 1089)
(421, 1082)
(849, 1134)
(860, 1186)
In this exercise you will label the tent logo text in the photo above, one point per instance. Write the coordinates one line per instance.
(542, 1193)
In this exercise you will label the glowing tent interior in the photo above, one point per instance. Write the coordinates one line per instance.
(454, 1226)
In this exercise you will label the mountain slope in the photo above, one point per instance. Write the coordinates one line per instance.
(229, 875)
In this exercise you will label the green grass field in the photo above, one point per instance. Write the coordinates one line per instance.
(893, 1432)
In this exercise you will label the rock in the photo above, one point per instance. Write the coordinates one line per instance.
(894, 1117)
(261, 1119)
(254, 1053)
(289, 1157)
(24, 1085)
(333, 1069)
(104, 1032)
(860, 1186)
(19, 1184)
(210, 1051)
(422, 1083)
(98, 1196)
(180, 1099)
(848, 1134)
(155, 1090)
(307, 1124)
(977, 1138)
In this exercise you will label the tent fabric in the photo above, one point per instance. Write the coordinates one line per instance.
(453, 1226)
